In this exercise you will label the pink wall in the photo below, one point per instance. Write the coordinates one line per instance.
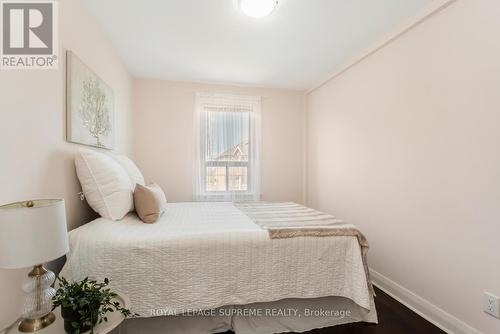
(406, 145)
(163, 146)
(36, 161)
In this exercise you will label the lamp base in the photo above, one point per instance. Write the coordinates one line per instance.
(38, 304)
(33, 325)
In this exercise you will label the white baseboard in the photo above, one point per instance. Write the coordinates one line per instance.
(422, 307)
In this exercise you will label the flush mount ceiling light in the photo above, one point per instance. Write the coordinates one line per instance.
(257, 8)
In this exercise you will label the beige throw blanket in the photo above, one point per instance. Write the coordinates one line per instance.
(290, 220)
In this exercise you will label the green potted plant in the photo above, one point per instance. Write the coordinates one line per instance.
(85, 303)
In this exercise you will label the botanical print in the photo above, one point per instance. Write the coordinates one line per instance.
(90, 106)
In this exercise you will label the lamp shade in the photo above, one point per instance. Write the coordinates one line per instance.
(32, 233)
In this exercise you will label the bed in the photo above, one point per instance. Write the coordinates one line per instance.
(213, 256)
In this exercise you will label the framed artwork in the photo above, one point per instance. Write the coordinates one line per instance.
(89, 106)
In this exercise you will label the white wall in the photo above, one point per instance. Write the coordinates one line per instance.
(406, 145)
(163, 146)
(35, 160)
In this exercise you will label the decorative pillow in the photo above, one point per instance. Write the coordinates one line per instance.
(105, 184)
(150, 202)
(131, 169)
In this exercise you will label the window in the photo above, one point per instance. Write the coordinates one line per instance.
(227, 147)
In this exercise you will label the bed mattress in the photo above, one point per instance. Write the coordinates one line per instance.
(201, 256)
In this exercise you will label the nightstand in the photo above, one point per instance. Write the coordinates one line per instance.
(114, 320)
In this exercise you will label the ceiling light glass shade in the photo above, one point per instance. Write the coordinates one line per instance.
(257, 8)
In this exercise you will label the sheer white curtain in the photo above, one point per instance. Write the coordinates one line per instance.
(227, 147)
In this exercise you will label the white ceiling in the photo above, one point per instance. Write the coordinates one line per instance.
(299, 44)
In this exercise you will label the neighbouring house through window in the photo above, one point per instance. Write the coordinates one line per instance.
(227, 166)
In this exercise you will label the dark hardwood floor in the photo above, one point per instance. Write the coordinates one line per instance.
(393, 318)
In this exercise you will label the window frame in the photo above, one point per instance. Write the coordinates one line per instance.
(209, 102)
(224, 163)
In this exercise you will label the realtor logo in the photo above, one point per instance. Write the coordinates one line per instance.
(29, 35)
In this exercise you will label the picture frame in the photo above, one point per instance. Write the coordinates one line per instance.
(89, 106)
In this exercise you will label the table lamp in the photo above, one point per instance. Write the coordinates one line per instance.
(31, 234)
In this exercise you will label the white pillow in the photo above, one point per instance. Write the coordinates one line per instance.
(105, 184)
(131, 169)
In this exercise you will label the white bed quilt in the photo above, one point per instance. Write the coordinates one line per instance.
(207, 255)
